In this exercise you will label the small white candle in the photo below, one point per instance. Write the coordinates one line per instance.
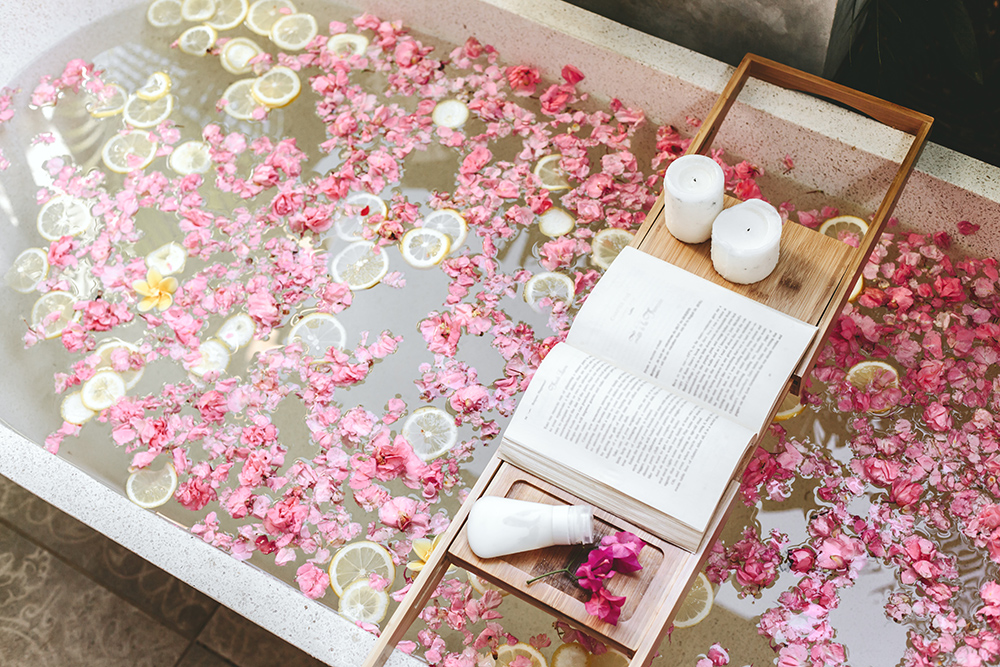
(745, 240)
(692, 197)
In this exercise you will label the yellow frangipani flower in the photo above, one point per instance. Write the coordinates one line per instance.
(157, 290)
(423, 548)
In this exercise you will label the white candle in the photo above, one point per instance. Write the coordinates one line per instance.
(692, 197)
(745, 241)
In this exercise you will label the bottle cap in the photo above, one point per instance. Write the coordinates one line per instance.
(573, 524)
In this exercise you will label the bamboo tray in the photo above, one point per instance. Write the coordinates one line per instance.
(812, 282)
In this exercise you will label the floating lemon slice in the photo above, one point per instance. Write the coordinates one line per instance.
(507, 654)
(607, 244)
(198, 40)
(345, 45)
(480, 585)
(237, 331)
(863, 374)
(844, 223)
(431, 432)
(54, 302)
(129, 151)
(238, 101)
(571, 655)
(790, 407)
(696, 605)
(191, 157)
(278, 88)
(156, 86)
(237, 54)
(131, 376)
(152, 488)
(294, 31)
(556, 222)
(263, 13)
(110, 102)
(363, 205)
(610, 658)
(360, 265)
(63, 215)
(102, 390)
(859, 287)
(556, 286)
(318, 332)
(229, 14)
(423, 248)
(28, 269)
(214, 357)
(164, 13)
(356, 561)
(451, 223)
(142, 114)
(168, 259)
(360, 602)
(550, 174)
(74, 411)
(197, 10)
(450, 113)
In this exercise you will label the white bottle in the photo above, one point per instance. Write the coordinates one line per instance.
(501, 526)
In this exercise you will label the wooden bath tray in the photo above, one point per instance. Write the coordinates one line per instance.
(812, 282)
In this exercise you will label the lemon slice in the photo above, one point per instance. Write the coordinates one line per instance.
(294, 31)
(131, 376)
(859, 287)
(191, 157)
(607, 244)
(197, 10)
(363, 205)
(556, 222)
(128, 151)
(63, 215)
(556, 286)
(571, 655)
(214, 357)
(28, 269)
(142, 114)
(423, 248)
(263, 13)
(110, 102)
(356, 561)
(550, 174)
(168, 259)
(74, 411)
(431, 432)
(54, 302)
(102, 390)
(152, 488)
(229, 14)
(507, 654)
(480, 585)
(237, 54)
(844, 223)
(318, 332)
(345, 45)
(156, 86)
(361, 602)
(360, 265)
(790, 407)
(238, 101)
(237, 331)
(610, 658)
(198, 40)
(164, 13)
(451, 223)
(450, 113)
(277, 88)
(862, 374)
(696, 605)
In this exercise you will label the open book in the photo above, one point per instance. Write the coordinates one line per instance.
(664, 382)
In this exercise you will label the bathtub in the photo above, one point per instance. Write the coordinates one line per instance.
(852, 158)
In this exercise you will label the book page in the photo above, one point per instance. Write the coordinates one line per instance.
(711, 345)
(583, 413)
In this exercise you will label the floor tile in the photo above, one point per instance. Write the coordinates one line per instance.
(248, 645)
(169, 600)
(53, 615)
(199, 656)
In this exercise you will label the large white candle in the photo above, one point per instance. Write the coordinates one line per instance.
(692, 197)
(745, 241)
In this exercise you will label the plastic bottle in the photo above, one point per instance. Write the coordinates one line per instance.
(501, 526)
